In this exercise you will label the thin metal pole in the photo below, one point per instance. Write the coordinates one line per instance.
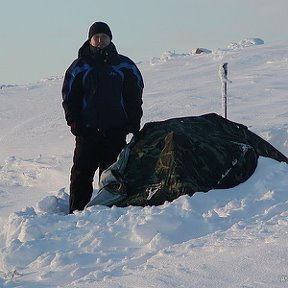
(223, 72)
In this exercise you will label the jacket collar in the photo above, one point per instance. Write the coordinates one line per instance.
(103, 55)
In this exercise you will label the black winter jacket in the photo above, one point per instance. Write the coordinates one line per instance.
(103, 90)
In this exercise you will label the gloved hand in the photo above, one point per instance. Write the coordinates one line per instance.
(134, 129)
(136, 134)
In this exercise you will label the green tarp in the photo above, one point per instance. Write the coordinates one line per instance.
(183, 156)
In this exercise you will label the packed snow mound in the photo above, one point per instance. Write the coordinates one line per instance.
(54, 204)
(245, 43)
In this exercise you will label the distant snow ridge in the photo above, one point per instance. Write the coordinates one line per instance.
(198, 51)
(7, 86)
(246, 43)
(52, 78)
(168, 55)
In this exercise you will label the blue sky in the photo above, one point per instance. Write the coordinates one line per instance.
(41, 38)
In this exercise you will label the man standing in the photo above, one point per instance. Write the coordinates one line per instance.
(102, 101)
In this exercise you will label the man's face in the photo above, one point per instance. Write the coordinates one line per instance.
(100, 40)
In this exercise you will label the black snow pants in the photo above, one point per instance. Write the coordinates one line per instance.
(93, 150)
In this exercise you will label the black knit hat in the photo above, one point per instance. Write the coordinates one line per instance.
(99, 27)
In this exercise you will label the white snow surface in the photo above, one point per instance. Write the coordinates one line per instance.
(224, 238)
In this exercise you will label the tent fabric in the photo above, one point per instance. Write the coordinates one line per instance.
(182, 156)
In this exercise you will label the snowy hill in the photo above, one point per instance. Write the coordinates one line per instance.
(224, 238)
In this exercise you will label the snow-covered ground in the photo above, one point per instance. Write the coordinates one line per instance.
(224, 238)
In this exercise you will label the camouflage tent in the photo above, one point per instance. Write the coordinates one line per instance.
(182, 156)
